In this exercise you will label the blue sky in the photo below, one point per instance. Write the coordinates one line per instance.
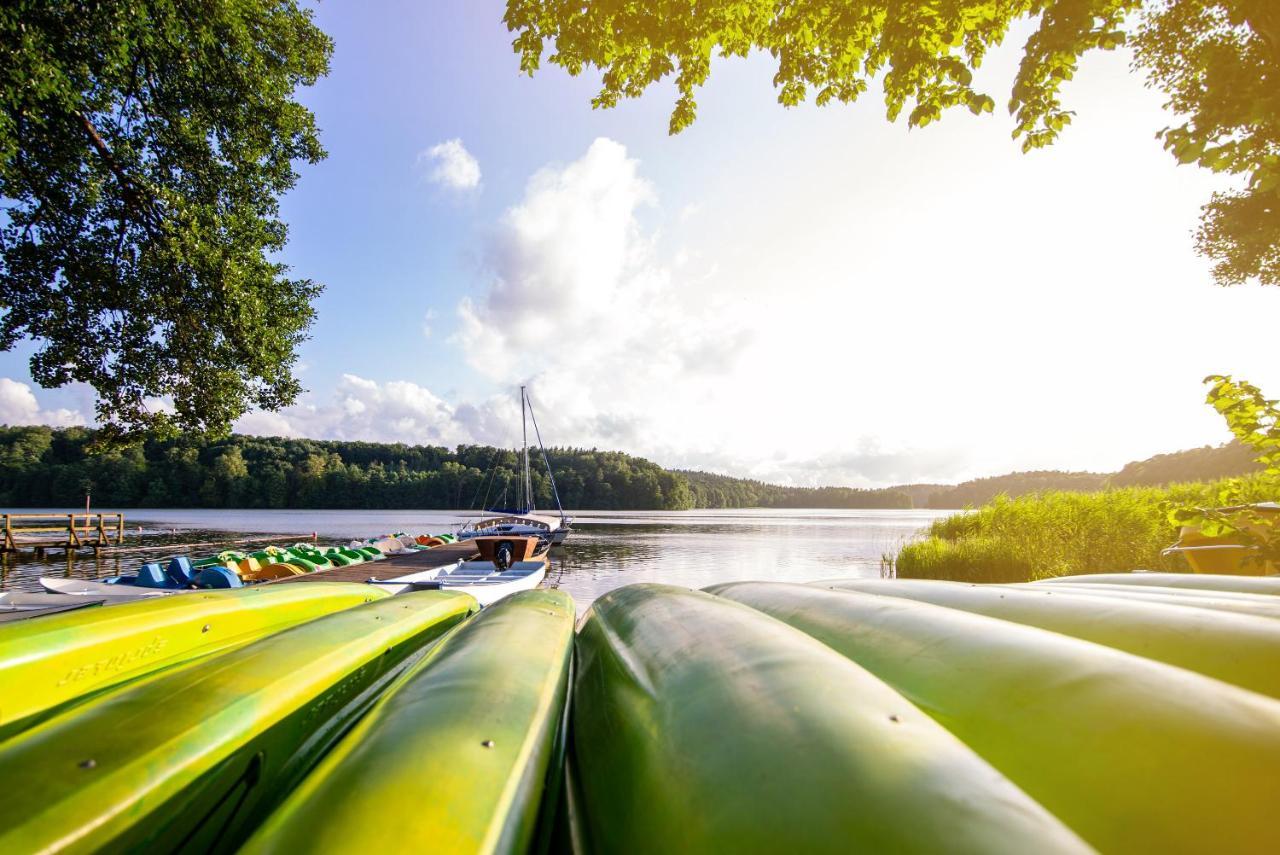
(808, 295)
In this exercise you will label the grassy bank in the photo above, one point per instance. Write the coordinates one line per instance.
(1060, 534)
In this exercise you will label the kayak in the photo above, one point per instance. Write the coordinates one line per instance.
(1201, 581)
(1131, 754)
(701, 725)
(458, 752)
(49, 663)
(193, 760)
(1259, 605)
(1234, 648)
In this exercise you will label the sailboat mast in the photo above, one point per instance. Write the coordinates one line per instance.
(526, 482)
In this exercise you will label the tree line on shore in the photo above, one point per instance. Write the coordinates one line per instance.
(46, 467)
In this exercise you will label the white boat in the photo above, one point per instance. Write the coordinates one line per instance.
(115, 593)
(506, 565)
(524, 519)
(19, 605)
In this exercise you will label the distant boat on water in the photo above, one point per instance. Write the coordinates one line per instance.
(524, 519)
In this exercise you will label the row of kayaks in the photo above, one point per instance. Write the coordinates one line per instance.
(232, 568)
(876, 715)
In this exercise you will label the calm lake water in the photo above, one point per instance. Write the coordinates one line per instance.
(606, 550)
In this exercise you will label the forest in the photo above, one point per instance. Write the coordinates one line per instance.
(45, 467)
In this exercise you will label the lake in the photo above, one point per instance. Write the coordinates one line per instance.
(607, 549)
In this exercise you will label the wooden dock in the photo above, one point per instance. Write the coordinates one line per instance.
(393, 567)
(69, 532)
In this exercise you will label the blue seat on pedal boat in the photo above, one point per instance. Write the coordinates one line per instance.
(152, 575)
(180, 571)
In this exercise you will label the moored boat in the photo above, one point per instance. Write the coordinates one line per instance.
(505, 565)
(524, 518)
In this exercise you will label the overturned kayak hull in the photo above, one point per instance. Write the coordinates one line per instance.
(458, 752)
(60, 659)
(1130, 753)
(192, 761)
(1268, 585)
(1234, 648)
(701, 725)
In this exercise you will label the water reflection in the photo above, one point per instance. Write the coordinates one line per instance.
(608, 549)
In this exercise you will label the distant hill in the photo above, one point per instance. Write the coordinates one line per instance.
(1197, 464)
(722, 491)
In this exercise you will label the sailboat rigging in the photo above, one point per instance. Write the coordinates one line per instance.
(524, 518)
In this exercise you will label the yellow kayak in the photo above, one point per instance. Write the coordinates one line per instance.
(192, 760)
(48, 662)
(456, 756)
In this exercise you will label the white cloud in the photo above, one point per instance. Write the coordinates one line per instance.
(428, 323)
(619, 350)
(364, 409)
(452, 165)
(18, 406)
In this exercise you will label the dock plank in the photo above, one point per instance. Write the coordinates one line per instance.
(394, 566)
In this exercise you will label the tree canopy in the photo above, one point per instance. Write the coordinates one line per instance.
(44, 467)
(1217, 60)
(144, 145)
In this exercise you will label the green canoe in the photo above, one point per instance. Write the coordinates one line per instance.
(702, 726)
(1267, 585)
(1239, 649)
(48, 663)
(456, 756)
(1134, 755)
(193, 760)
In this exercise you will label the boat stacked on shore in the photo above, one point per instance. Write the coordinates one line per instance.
(757, 717)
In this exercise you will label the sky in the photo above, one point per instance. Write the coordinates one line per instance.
(807, 296)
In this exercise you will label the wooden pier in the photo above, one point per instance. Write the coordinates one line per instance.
(69, 532)
(393, 567)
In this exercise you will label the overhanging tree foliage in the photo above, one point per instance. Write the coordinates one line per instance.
(1218, 61)
(143, 147)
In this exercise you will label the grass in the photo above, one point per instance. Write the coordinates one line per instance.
(1061, 534)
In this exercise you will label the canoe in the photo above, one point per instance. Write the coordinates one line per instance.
(1200, 581)
(60, 659)
(1239, 649)
(459, 751)
(1259, 605)
(701, 725)
(193, 760)
(1131, 754)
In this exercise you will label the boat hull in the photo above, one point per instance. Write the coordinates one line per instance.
(193, 761)
(50, 663)
(457, 756)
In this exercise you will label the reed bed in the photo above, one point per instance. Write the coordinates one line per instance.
(1062, 533)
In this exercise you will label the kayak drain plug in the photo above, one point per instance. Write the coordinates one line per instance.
(488, 743)
(88, 764)
(204, 628)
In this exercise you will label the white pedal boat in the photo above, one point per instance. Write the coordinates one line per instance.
(506, 565)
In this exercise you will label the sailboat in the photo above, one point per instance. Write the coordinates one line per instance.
(524, 519)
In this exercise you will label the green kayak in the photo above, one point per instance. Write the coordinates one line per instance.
(1234, 648)
(702, 726)
(1134, 755)
(193, 761)
(458, 752)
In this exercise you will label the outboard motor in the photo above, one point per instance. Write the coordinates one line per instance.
(503, 554)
